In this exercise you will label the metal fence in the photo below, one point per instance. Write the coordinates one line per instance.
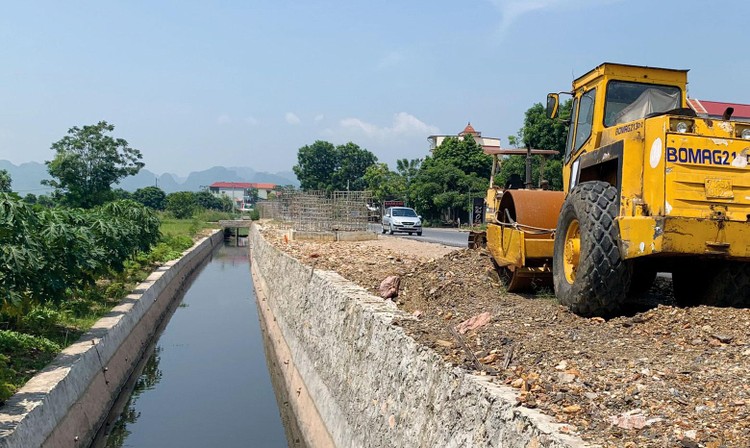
(319, 211)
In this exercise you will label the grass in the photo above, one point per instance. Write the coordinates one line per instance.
(30, 342)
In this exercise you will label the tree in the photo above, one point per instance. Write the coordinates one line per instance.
(446, 181)
(207, 201)
(46, 201)
(182, 204)
(152, 197)
(353, 162)
(465, 154)
(5, 181)
(315, 166)
(30, 199)
(88, 162)
(539, 132)
(407, 170)
(322, 166)
(384, 183)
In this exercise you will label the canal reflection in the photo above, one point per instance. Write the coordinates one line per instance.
(206, 382)
(147, 380)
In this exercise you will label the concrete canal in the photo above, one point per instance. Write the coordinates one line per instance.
(206, 381)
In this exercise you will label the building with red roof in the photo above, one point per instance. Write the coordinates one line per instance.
(484, 142)
(716, 109)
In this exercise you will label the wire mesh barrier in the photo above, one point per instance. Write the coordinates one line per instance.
(319, 211)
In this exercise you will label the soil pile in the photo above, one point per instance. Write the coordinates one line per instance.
(661, 376)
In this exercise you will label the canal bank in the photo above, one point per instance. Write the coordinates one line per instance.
(66, 403)
(206, 383)
(357, 380)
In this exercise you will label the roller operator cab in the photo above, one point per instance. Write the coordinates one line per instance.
(650, 187)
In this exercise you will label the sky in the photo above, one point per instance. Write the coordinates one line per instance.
(196, 84)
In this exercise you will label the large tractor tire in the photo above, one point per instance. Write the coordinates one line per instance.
(713, 283)
(589, 275)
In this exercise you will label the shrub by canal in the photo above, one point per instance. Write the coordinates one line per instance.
(62, 269)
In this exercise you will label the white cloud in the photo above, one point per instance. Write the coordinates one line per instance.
(404, 137)
(291, 118)
(319, 118)
(252, 121)
(511, 10)
(404, 124)
(223, 119)
(390, 60)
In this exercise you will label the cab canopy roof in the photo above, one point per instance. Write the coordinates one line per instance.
(634, 73)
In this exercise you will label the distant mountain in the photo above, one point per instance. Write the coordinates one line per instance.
(26, 178)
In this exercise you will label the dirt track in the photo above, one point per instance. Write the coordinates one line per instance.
(660, 376)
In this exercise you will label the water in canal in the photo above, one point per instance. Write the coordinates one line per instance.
(205, 383)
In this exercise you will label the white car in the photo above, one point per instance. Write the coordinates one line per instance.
(401, 219)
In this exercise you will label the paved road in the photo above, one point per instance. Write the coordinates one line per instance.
(449, 237)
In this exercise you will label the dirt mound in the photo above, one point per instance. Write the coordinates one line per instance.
(659, 377)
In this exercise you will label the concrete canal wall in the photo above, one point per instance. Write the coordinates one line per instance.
(356, 380)
(65, 404)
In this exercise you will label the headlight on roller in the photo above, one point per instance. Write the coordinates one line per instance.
(681, 125)
(742, 130)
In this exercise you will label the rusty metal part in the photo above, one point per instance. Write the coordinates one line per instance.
(520, 279)
(533, 208)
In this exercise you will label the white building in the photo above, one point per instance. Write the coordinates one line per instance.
(240, 192)
(484, 142)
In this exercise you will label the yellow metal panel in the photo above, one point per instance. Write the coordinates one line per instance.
(639, 236)
(654, 146)
(707, 237)
(647, 235)
(540, 248)
(707, 175)
(506, 245)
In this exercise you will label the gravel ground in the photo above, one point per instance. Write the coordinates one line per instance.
(660, 376)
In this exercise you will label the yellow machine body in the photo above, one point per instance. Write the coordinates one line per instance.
(684, 180)
(682, 183)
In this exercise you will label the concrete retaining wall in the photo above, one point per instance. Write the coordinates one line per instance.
(369, 383)
(65, 404)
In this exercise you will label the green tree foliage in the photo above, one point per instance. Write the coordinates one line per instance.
(539, 132)
(152, 197)
(30, 199)
(51, 254)
(206, 200)
(445, 183)
(384, 183)
(517, 165)
(322, 166)
(88, 162)
(5, 181)
(353, 162)
(45, 201)
(388, 185)
(182, 204)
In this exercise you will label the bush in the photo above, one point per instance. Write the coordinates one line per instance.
(16, 344)
(212, 215)
(41, 320)
(20, 355)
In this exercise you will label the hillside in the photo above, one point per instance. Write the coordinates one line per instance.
(27, 177)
